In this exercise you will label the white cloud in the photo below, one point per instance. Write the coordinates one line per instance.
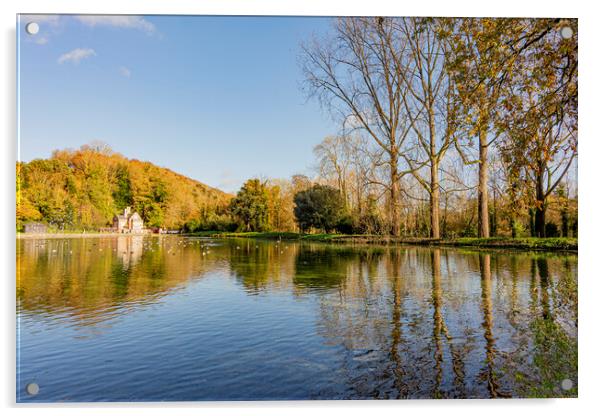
(48, 25)
(125, 72)
(42, 40)
(51, 24)
(76, 55)
(126, 22)
(50, 19)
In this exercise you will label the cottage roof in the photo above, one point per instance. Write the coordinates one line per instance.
(136, 216)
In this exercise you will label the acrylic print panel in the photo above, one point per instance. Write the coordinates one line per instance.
(294, 208)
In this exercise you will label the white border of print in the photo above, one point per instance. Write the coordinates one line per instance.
(590, 149)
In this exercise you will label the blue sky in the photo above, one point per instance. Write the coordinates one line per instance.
(213, 98)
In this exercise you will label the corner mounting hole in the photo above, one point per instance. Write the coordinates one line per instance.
(566, 32)
(32, 389)
(32, 28)
(566, 384)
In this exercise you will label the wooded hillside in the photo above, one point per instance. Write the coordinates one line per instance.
(85, 188)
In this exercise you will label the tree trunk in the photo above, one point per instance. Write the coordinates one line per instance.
(563, 197)
(540, 221)
(564, 218)
(513, 226)
(394, 195)
(540, 208)
(344, 192)
(359, 195)
(483, 175)
(494, 215)
(444, 225)
(417, 221)
(434, 194)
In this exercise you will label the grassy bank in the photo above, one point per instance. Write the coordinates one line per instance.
(530, 243)
(87, 234)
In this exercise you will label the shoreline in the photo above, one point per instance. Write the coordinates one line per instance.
(526, 243)
(85, 235)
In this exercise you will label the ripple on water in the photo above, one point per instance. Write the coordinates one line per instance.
(134, 322)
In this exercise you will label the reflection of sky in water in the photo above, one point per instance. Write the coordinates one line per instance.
(166, 318)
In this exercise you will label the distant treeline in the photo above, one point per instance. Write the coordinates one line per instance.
(85, 188)
(318, 205)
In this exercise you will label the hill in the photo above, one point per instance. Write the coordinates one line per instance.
(84, 188)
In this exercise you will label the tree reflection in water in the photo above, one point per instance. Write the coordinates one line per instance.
(401, 322)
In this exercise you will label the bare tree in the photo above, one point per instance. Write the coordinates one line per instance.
(334, 159)
(429, 105)
(354, 75)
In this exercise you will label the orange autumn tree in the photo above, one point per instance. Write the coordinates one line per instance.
(84, 188)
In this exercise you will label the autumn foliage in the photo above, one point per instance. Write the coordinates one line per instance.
(84, 189)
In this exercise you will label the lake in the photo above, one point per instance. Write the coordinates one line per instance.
(164, 318)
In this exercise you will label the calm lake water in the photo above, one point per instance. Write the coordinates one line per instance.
(169, 318)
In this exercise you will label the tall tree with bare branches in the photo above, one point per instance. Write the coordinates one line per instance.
(480, 63)
(354, 75)
(334, 160)
(429, 105)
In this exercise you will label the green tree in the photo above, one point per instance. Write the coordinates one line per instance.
(481, 66)
(122, 195)
(371, 222)
(563, 201)
(540, 113)
(320, 207)
(250, 206)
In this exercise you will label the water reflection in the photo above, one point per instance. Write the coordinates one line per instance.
(92, 279)
(326, 321)
(489, 372)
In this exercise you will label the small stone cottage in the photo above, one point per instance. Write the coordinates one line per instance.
(128, 222)
(35, 228)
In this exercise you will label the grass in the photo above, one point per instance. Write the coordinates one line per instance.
(526, 243)
(533, 243)
(261, 235)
